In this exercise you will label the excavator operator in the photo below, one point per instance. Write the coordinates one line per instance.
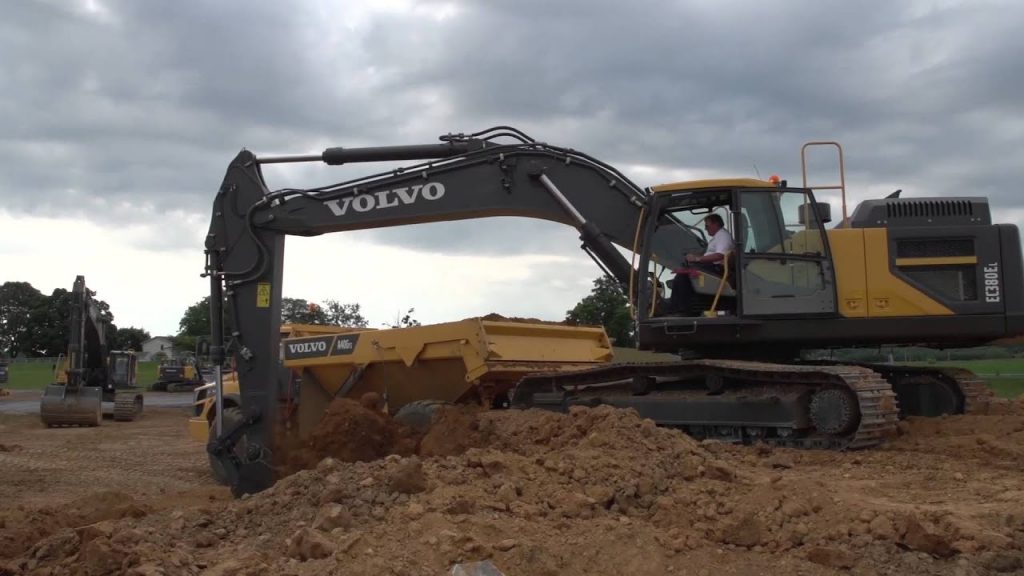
(720, 243)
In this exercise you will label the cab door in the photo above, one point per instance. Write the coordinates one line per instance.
(784, 264)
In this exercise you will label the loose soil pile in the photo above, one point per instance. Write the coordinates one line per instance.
(597, 491)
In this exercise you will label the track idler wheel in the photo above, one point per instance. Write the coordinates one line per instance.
(715, 384)
(127, 406)
(834, 411)
(923, 395)
(642, 385)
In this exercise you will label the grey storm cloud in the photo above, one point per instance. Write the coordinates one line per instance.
(145, 103)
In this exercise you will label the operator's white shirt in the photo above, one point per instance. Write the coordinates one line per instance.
(721, 243)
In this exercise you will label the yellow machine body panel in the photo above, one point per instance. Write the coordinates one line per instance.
(478, 350)
(447, 362)
(865, 284)
(712, 183)
(60, 370)
(851, 271)
(203, 408)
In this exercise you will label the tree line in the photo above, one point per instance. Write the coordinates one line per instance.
(34, 324)
(195, 322)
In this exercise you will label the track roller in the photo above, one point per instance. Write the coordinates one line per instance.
(127, 406)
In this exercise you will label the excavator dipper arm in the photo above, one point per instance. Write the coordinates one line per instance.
(467, 177)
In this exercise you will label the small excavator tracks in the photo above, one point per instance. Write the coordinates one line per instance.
(127, 406)
(758, 401)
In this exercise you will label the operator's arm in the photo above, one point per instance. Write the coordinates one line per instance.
(705, 259)
(720, 244)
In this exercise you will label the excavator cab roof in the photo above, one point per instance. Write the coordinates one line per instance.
(712, 184)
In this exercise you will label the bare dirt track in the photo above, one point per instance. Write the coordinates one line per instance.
(58, 478)
(597, 491)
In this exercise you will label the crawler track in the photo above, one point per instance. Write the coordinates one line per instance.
(127, 406)
(976, 394)
(932, 391)
(826, 407)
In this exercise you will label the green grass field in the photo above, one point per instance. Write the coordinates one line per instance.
(1004, 376)
(36, 375)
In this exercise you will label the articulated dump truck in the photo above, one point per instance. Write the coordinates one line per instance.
(411, 371)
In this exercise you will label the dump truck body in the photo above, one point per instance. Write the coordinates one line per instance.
(475, 360)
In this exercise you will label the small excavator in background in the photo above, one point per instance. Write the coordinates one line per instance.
(90, 375)
(897, 271)
(4, 375)
(178, 374)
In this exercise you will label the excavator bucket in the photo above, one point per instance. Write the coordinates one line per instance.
(61, 406)
(451, 362)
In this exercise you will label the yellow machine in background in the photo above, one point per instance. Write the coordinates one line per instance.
(175, 374)
(90, 375)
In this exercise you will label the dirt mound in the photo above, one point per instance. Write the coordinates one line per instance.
(996, 440)
(595, 491)
(350, 431)
(20, 528)
(455, 430)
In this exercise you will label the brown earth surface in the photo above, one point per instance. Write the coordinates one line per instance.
(597, 491)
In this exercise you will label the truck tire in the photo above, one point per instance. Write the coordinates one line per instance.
(232, 417)
(419, 415)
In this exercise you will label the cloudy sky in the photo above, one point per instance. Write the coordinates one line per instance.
(119, 117)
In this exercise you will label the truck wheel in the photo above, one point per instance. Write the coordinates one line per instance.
(232, 417)
(419, 415)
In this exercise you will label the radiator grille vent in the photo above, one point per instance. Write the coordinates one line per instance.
(928, 208)
(934, 248)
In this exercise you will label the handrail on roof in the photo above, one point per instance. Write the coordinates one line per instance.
(842, 170)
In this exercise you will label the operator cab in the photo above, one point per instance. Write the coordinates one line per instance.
(123, 369)
(780, 266)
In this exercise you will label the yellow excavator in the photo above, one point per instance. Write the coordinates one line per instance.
(177, 374)
(897, 271)
(90, 375)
